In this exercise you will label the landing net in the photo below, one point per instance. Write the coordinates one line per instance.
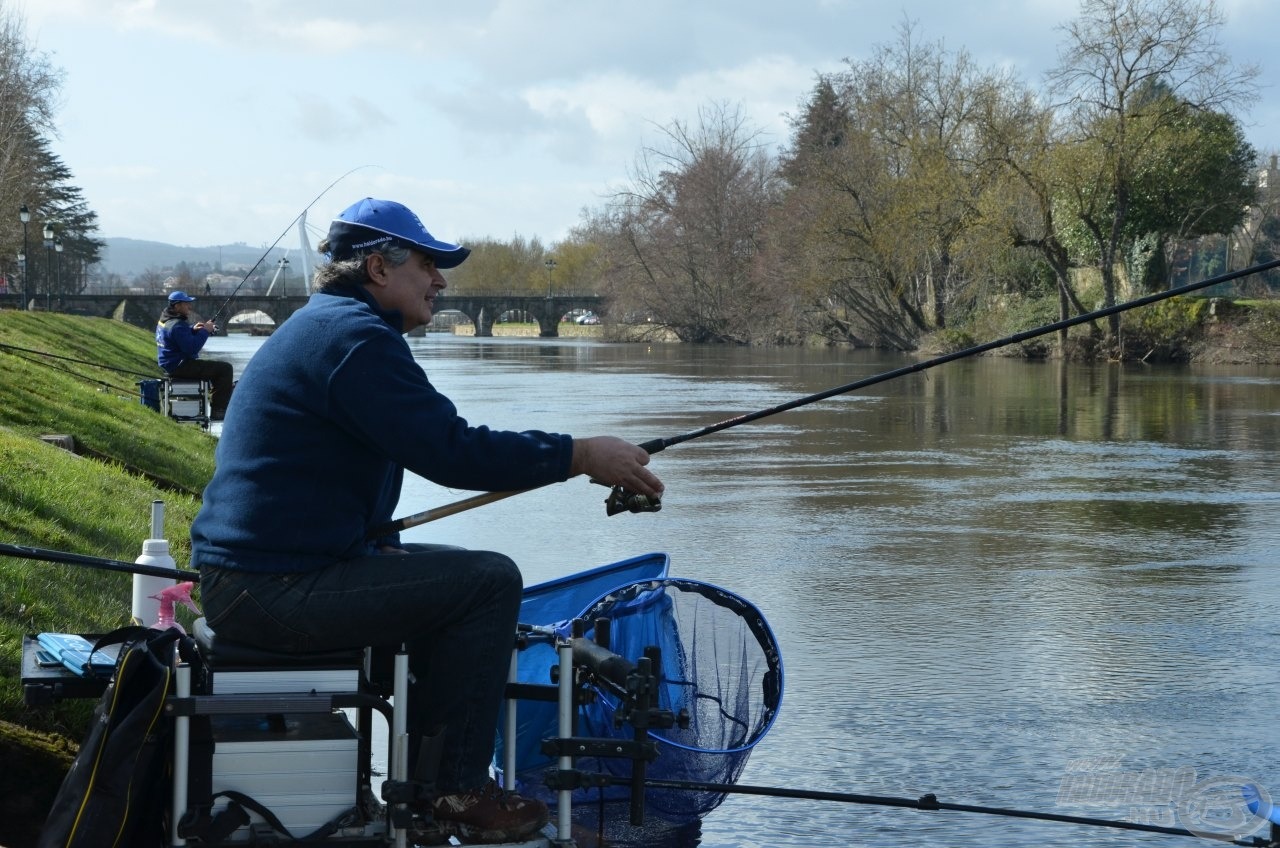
(720, 665)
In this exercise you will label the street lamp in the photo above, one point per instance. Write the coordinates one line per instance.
(24, 215)
(57, 248)
(48, 266)
(551, 266)
(284, 276)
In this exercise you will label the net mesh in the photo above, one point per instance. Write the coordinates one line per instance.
(719, 665)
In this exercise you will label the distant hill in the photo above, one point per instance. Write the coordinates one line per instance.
(129, 257)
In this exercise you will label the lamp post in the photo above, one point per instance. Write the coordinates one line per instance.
(551, 266)
(284, 276)
(57, 248)
(48, 267)
(24, 215)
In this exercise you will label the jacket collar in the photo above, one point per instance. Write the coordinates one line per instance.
(393, 317)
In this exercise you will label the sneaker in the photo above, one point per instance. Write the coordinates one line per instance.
(489, 814)
(427, 834)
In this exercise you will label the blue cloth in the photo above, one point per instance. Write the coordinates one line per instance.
(176, 341)
(323, 423)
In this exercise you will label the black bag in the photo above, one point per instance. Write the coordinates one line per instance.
(115, 794)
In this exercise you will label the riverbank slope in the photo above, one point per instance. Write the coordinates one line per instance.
(95, 501)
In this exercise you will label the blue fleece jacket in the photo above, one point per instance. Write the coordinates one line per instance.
(325, 419)
(176, 341)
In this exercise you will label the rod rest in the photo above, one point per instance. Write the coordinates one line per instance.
(217, 651)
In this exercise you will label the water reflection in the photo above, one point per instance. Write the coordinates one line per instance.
(978, 575)
(608, 825)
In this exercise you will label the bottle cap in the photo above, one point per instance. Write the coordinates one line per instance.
(155, 547)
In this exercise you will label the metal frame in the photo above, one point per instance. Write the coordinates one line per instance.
(176, 390)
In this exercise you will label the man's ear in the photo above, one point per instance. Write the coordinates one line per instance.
(375, 268)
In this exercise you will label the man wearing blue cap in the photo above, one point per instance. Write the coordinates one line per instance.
(179, 343)
(331, 412)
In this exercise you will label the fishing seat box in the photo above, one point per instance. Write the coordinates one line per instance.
(304, 767)
(301, 767)
(187, 400)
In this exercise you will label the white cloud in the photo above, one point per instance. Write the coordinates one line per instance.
(217, 121)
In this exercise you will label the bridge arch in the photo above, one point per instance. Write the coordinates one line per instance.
(484, 310)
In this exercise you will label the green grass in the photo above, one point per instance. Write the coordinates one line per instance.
(95, 502)
(97, 405)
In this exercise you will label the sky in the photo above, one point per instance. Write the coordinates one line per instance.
(209, 122)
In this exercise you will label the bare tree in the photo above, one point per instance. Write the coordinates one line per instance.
(685, 238)
(1257, 240)
(1117, 53)
(29, 86)
(892, 169)
(151, 280)
(31, 174)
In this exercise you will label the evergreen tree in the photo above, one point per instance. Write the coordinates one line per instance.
(31, 174)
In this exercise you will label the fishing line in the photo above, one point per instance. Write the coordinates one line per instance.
(267, 252)
(656, 445)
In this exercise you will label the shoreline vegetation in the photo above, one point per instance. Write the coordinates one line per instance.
(1210, 331)
(97, 500)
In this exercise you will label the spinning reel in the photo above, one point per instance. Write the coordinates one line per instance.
(623, 500)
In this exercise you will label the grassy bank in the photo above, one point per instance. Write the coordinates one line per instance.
(96, 501)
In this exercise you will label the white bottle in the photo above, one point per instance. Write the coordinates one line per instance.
(146, 609)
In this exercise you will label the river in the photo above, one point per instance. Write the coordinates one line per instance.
(1029, 585)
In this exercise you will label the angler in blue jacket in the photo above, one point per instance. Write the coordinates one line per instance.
(178, 344)
(326, 418)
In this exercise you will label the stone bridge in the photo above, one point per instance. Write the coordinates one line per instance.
(485, 310)
(143, 310)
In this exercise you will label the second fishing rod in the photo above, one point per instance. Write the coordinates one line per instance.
(214, 318)
(620, 500)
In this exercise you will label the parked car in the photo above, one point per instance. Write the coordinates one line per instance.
(587, 318)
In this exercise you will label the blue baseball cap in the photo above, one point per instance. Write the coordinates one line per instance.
(370, 222)
(180, 296)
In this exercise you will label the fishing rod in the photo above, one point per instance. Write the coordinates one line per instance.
(267, 252)
(73, 359)
(930, 802)
(621, 500)
(14, 350)
(97, 381)
(25, 552)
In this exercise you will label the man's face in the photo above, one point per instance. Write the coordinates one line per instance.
(182, 307)
(410, 288)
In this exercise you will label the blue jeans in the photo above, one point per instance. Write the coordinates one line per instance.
(455, 610)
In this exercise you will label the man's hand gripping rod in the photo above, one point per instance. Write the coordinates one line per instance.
(623, 500)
